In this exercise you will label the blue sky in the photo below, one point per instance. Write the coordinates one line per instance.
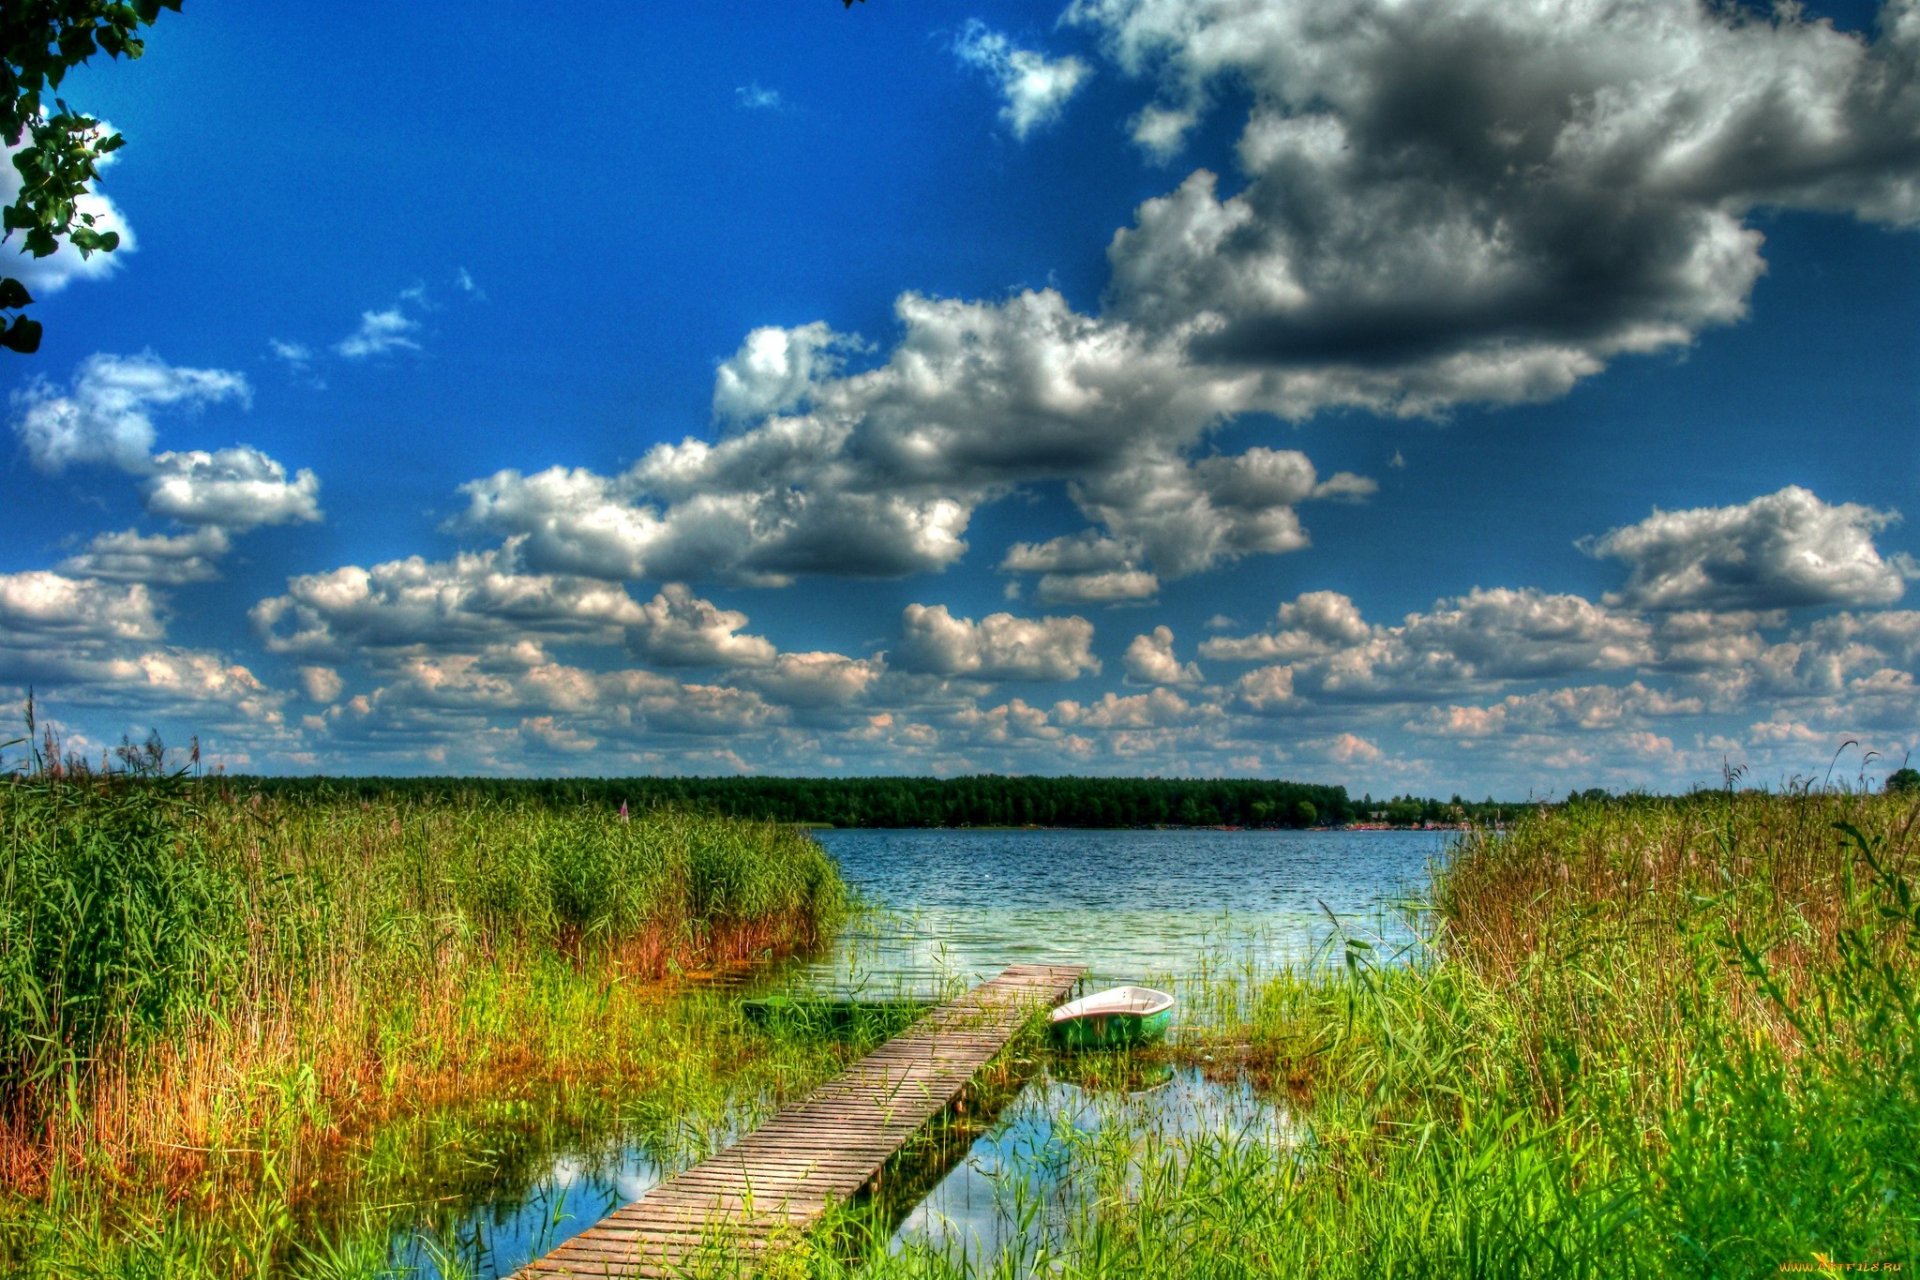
(1448, 397)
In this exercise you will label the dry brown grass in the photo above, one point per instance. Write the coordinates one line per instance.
(1589, 920)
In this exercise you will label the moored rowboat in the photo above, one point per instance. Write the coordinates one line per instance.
(1121, 1016)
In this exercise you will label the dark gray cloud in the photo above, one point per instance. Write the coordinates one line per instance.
(1466, 201)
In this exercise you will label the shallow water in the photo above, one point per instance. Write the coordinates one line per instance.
(1017, 1185)
(1023, 1181)
(1170, 906)
(496, 1239)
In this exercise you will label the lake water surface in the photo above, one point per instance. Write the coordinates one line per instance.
(1132, 905)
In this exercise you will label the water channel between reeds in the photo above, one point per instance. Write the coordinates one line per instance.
(946, 908)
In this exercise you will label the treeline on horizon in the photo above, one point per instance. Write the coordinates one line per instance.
(986, 800)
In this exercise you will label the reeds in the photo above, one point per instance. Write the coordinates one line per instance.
(186, 971)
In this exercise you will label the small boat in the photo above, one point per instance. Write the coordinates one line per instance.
(1110, 1019)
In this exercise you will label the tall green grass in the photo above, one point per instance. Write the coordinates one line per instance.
(183, 965)
(116, 923)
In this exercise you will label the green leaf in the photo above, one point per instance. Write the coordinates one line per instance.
(77, 44)
(59, 162)
(23, 335)
(88, 241)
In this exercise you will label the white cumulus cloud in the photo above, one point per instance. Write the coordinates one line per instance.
(39, 604)
(776, 369)
(1150, 660)
(997, 647)
(105, 414)
(1034, 87)
(815, 679)
(470, 599)
(161, 559)
(679, 629)
(238, 488)
(321, 684)
(1327, 650)
(1112, 587)
(1779, 551)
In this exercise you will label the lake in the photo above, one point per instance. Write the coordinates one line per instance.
(1132, 905)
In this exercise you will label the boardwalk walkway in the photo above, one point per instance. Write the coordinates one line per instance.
(825, 1148)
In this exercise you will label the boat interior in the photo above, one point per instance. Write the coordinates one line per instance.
(1141, 1001)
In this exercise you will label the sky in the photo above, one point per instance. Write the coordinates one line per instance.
(1462, 396)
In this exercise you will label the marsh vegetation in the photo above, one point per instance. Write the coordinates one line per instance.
(357, 1035)
(217, 1009)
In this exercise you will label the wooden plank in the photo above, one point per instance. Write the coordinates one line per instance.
(825, 1148)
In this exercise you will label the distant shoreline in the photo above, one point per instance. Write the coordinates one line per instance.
(1158, 826)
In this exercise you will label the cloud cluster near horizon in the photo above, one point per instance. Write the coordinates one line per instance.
(479, 661)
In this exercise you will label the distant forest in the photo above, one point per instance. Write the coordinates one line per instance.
(981, 801)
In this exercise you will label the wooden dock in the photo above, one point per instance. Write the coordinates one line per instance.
(824, 1149)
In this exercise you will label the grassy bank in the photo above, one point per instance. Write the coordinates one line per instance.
(211, 1001)
(1651, 1039)
(1644, 1039)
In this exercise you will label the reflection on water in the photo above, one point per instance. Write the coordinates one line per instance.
(495, 1239)
(1133, 905)
(1020, 1184)
(491, 1199)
